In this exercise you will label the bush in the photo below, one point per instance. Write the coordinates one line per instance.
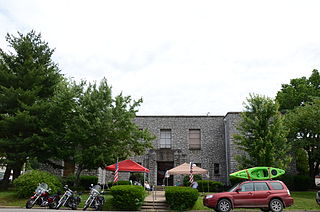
(235, 180)
(127, 197)
(68, 180)
(28, 182)
(209, 186)
(86, 181)
(121, 182)
(297, 182)
(181, 198)
(187, 177)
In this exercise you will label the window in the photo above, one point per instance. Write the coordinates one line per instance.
(261, 187)
(165, 139)
(276, 185)
(194, 139)
(216, 169)
(247, 187)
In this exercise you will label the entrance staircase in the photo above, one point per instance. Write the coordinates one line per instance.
(155, 201)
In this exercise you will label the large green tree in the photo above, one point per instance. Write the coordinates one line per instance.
(304, 125)
(28, 79)
(262, 135)
(299, 91)
(101, 128)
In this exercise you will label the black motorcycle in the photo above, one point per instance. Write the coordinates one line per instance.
(95, 200)
(69, 199)
(42, 198)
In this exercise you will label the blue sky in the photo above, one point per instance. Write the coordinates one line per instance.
(182, 57)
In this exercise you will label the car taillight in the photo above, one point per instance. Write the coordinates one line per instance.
(288, 192)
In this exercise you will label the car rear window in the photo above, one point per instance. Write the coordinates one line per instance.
(276, 185)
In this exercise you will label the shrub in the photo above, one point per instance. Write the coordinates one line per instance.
(68, 180)
(127, 197)
(121, 182)
(209, 186)
(86, 181)
(235, 180)
(28, 182)
(187, 177)
(181, 198)
(297, 182)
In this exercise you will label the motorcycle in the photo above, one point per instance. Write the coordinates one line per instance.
(42, 198)
(69, 199)
(95, 200)
(317, 182)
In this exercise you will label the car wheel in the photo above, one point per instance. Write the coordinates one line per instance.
(224, 205)
(265, 209)
(276, 205)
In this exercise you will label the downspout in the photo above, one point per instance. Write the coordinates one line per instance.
(227, 149)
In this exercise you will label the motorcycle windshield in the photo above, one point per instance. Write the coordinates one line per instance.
(42, 186)
(97, 188)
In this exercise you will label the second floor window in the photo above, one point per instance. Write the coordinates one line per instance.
(194, 139)
(165, 139)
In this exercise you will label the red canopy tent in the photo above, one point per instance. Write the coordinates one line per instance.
(127, 166)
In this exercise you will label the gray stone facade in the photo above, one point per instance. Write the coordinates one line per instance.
(216, 153)
(217, 144)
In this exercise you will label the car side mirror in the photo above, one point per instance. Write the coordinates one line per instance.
(238, 189)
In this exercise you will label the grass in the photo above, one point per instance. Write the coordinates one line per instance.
(302, 201)
(9, 198)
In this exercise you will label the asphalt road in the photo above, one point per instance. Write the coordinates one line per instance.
(51, 210)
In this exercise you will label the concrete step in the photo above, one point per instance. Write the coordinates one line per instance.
(155, 203)
(155, 207)
(159, 188)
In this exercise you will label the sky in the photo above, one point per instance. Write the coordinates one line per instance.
(182, 57)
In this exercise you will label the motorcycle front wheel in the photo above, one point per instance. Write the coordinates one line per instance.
(53, 204)
(30, 203)
(87, 204)
(60, 203)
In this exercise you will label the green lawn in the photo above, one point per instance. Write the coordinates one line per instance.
(9, 198)
(302, 201)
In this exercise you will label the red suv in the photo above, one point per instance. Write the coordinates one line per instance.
(268, 195)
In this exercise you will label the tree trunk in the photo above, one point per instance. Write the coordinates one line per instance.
(79, 170)
(316, 170)
(17, 170)
(311, 166)
(6, 178)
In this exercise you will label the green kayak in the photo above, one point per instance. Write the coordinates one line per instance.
(258, 173)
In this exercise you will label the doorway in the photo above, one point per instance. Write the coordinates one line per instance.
(162, 168)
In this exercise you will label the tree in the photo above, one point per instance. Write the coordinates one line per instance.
(262, 135)
(28, 78)
(299, 91)
(304, 125)
(102, 129)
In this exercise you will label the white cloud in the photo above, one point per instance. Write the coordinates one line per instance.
(182, 57)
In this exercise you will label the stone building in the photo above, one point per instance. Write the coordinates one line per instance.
(206, 141)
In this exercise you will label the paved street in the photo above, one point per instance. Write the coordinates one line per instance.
(50, 210)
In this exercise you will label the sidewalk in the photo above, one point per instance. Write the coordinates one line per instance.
(157, 196)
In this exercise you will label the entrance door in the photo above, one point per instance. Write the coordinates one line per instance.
(162, 168)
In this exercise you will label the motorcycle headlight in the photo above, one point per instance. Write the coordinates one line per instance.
(209, 196)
